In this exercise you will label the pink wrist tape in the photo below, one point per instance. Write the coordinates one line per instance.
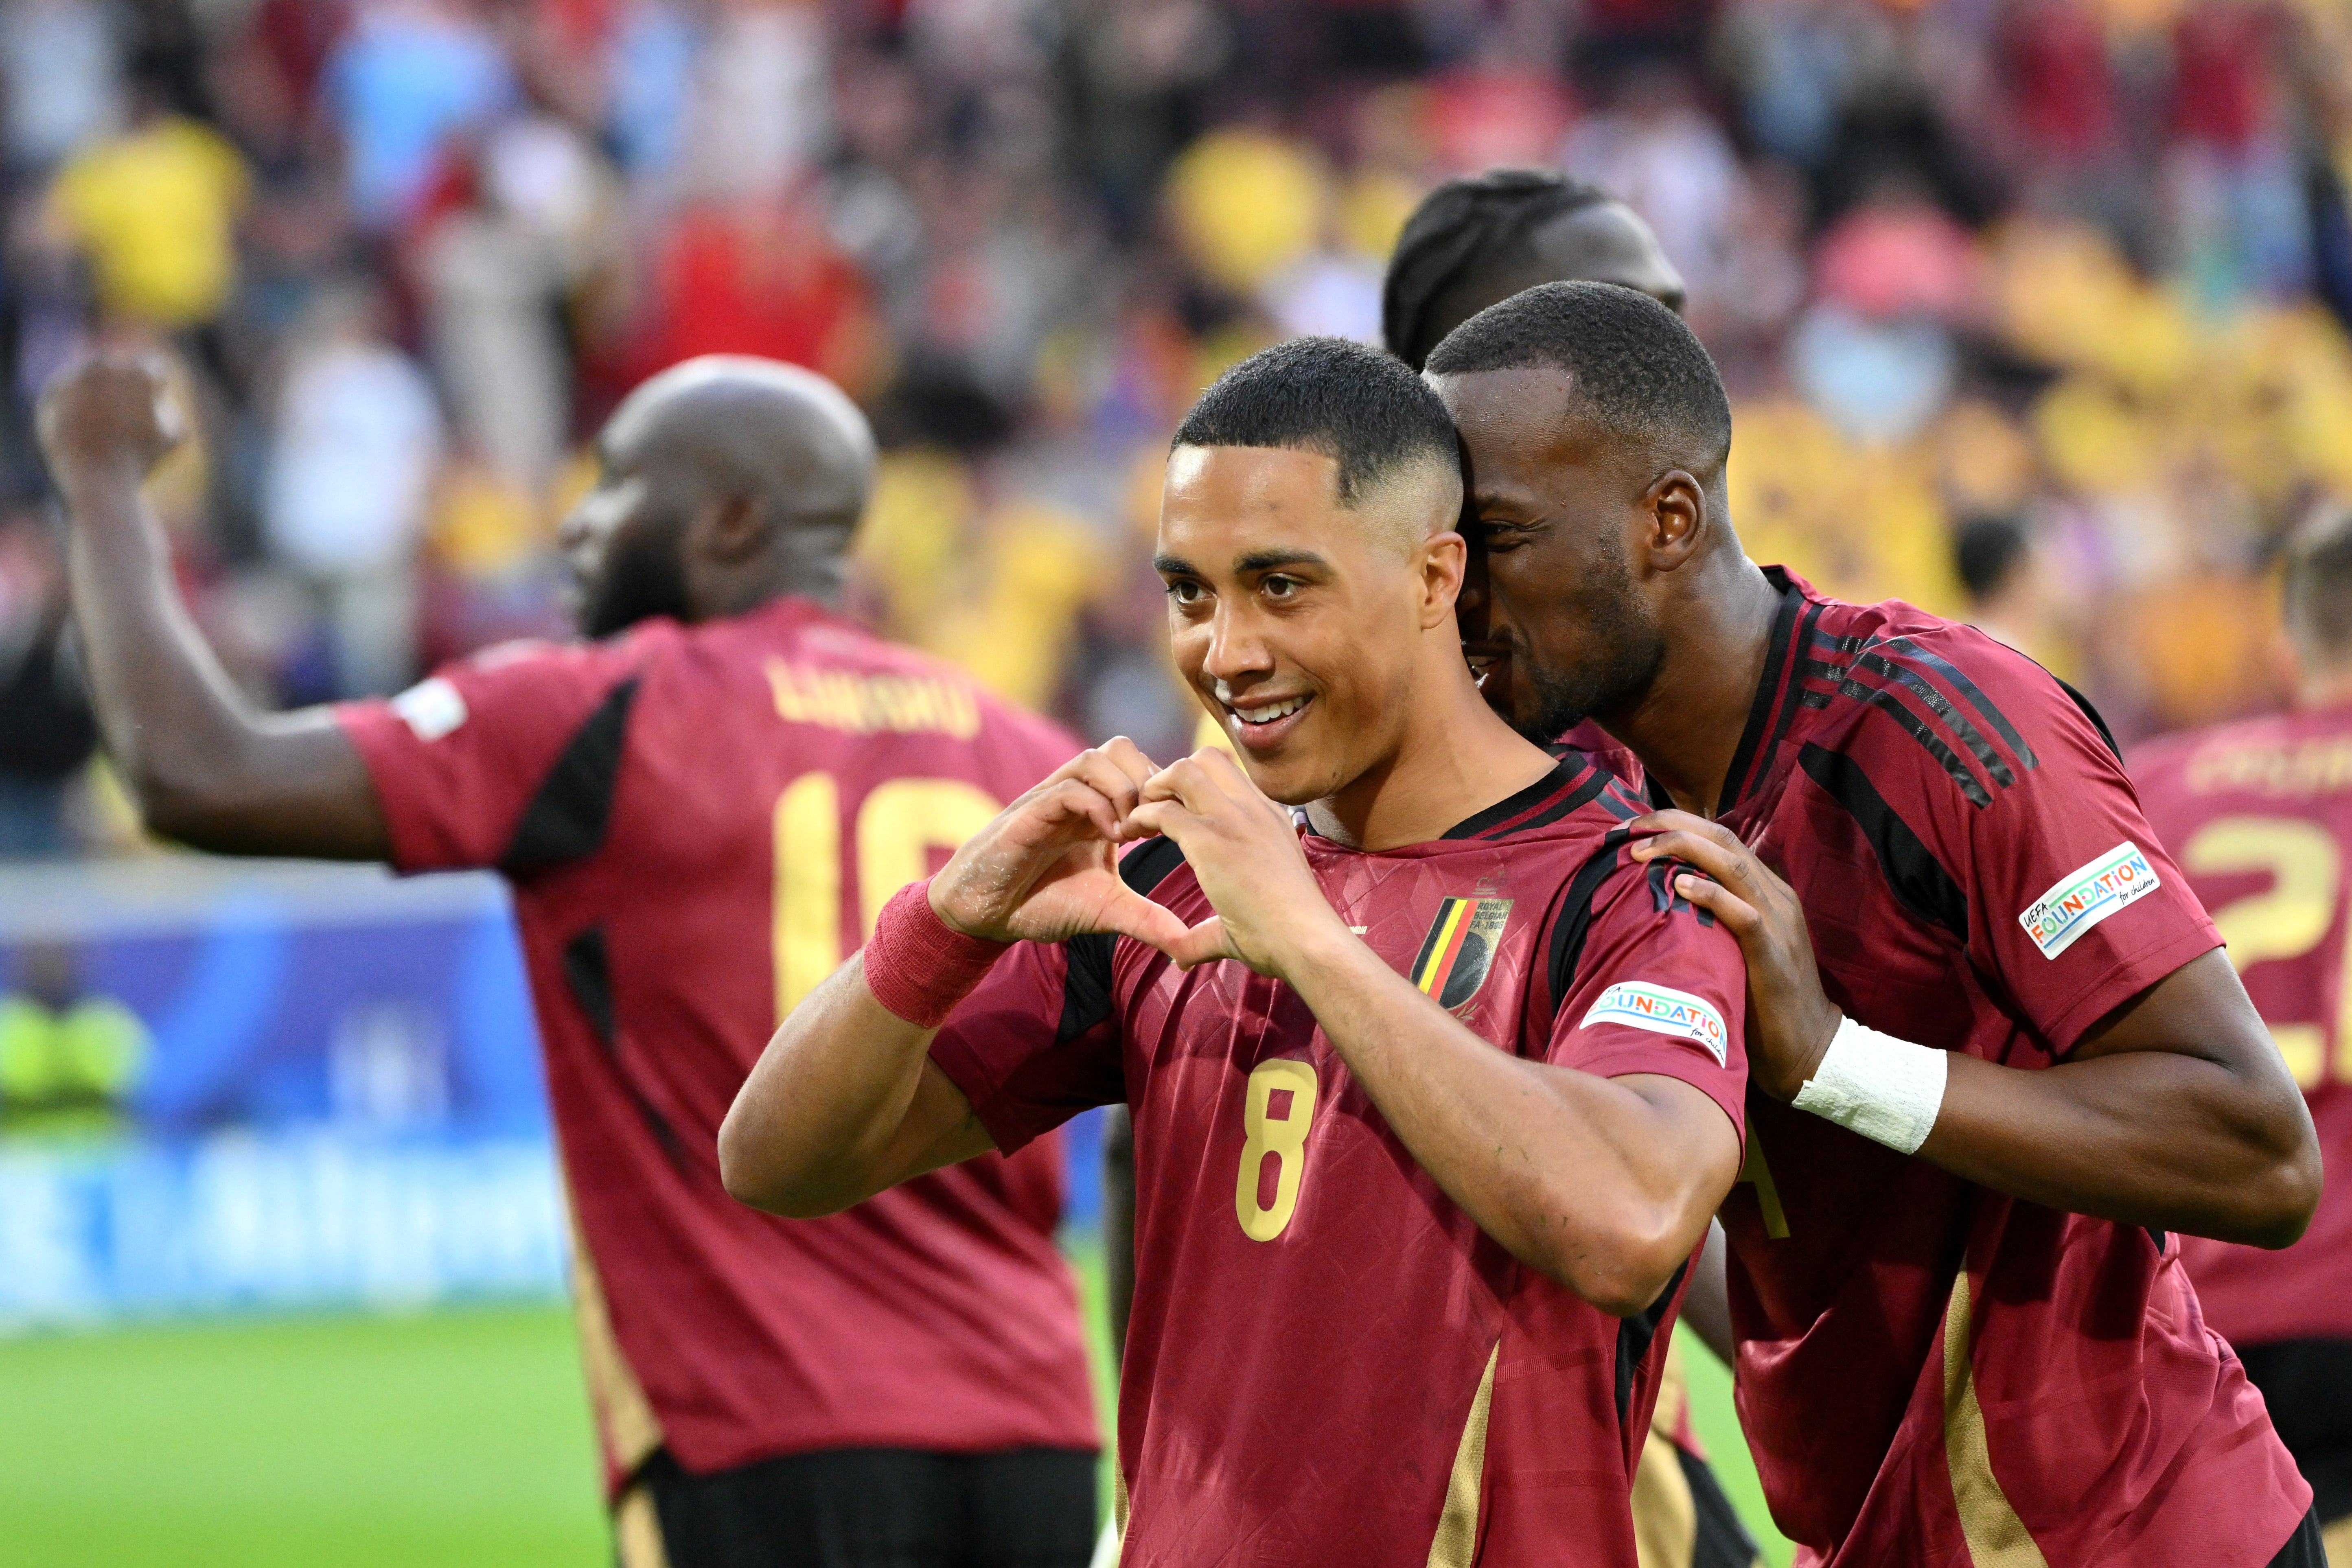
(917, 966)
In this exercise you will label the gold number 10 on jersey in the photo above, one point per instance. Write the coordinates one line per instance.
(899, 822)
(1277, 1109)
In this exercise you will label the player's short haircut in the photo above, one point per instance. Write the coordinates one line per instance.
(1644, 377)
(1481, 225)
(2319, 596)
(1351, 402)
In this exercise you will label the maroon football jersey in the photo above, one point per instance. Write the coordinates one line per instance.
(699, 823)
(1329, 1362)
(1930, 1372)
(2260, 815)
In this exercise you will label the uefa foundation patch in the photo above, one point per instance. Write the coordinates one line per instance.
(1662, 1010)
(2083, 897)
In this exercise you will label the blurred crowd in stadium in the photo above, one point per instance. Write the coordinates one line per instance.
(2034, 309)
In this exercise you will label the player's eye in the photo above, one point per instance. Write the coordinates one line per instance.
(1280, 586)
(1184, 590)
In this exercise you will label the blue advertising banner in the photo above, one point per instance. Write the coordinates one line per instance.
(234, 1085)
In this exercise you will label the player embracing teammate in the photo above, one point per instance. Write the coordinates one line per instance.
(1999, 1058)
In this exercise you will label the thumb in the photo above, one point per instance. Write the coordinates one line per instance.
(1129, 913)
(1204, 943)
(1735, 914)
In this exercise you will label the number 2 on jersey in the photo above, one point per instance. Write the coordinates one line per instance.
(899, 822)
(1277, 1107)
(2306, 869)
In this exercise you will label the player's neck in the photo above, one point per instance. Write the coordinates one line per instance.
(1686, 725)
(1453, 759)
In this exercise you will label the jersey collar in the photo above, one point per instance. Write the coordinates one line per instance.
(1777, 691)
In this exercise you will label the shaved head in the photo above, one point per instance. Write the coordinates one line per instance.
(723, 482)
(758, 425)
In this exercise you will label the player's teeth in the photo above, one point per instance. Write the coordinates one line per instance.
(1268, 714)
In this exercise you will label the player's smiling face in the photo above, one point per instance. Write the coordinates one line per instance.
(625, 544)
(1294, 618)
(1552, 618)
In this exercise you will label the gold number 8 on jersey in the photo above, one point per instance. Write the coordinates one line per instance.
(1277, 1109)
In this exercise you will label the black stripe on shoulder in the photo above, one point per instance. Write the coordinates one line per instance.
(2097, 722)
(566, 819)
(1662, 896)
(1917, 878)
(1085, 987)
(1974, 695)
(1571, 767)
(1575, 918)
(1943, 708)
(1916, 728)
(1635, 1336)
(1593, 786)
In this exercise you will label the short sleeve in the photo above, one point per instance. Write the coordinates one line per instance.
(1658, 987)
(2073, 904)
(506, 758)
(1037, 1041)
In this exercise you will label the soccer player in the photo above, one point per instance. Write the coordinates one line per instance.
(2260, 815)
(1988, 1352)
(698, 812)
(1432, 1099)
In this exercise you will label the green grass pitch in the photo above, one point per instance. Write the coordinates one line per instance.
(457, 1439)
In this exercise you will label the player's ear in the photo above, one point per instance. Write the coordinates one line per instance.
(1440, 563)
(1674, 514)
(731, 529)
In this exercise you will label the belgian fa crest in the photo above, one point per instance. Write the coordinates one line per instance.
(1459, 948)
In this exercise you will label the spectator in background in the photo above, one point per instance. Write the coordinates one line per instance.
(410, 74)
(69, 1060)
(355, 441)
(58, 60)
(47, 733)
(153, 209)
(2002, 575)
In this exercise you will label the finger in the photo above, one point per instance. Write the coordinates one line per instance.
(1738, 917)
(1097, 771)
(1667, 821)
(1185, 780)
(1076, 799)
(1162, 816)
(1128, 757)
(1725, 865)
(1225, 771)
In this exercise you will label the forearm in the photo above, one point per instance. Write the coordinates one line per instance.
(202, 766)
(2174, 1143)
(842, 1104)
(1574, 1174)
(170, 714)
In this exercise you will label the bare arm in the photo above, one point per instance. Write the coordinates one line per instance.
(202, 766)
(1603, 1184)
(846, 1100)
(2174, 1113)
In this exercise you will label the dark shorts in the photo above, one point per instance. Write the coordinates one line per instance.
(2307, 1383)
(878, 1508)
(2303, 1549)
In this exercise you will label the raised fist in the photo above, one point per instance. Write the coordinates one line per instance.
(111, 414)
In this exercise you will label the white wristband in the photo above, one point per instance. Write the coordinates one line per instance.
(1888, 1090)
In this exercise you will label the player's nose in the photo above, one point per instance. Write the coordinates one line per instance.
(1237, 651)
